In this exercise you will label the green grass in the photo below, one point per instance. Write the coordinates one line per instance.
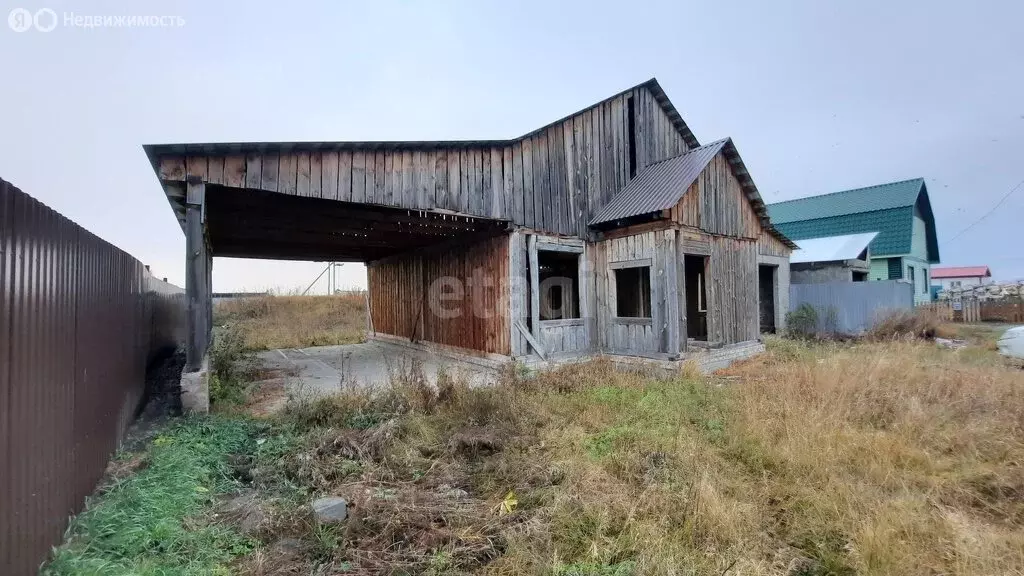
(152, 522)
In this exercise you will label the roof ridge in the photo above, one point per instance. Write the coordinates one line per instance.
(651, 85)
(849, 190)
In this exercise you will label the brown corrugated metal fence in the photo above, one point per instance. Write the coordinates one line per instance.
(80, 320)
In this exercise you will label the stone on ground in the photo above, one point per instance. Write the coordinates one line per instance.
(330, 509)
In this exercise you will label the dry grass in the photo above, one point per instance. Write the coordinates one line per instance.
(916, 323)
(907, 455)
(295, 321)
(892, 457)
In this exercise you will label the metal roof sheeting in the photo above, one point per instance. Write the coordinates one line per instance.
(869, 199)
(831, 248)
(660, 185)
(886, 208)
(961, 272)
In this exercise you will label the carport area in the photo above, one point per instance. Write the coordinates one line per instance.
(238, 222)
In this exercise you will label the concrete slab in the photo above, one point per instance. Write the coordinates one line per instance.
(324, 370)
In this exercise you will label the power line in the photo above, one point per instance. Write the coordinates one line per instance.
(986, 214)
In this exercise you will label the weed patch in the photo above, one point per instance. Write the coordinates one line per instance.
(232, 367)
(152, 522)
(894, 457)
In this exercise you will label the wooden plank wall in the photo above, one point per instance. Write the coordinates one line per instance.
(561, 337)
(557, 336)
(768, 245)
(716, 203)
(732, 290)
(630, 335)
(519, 293)
(724, 208)
(552, 180)
(405, 292)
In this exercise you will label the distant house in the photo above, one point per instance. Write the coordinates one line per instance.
(832, 259)
(906, 245)
(959, 276)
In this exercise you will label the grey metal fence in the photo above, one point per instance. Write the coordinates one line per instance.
(80, 319)
(851, 307)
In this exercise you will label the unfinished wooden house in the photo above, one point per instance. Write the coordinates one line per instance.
(609, 231)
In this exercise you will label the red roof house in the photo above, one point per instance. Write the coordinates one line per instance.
(958, 272)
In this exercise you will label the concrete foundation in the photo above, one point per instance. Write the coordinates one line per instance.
(325, 370)
(195, 389)
(706, 360)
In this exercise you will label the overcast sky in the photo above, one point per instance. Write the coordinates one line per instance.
(819, 96)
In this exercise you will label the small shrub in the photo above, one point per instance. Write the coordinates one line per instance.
(231, 367)
(802, 323)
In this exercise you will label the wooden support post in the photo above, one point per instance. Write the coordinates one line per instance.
(681, 301)
(534, 289)
(198, 266)
(672, 292)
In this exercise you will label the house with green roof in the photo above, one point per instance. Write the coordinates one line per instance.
(906, 245)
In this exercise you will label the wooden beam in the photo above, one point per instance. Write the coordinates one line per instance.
(629, 263)
(529, 338)
(531, 244)
(197, 275)
(672, 292)
(553, 247)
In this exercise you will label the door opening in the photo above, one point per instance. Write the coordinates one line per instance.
(766, 296)
(695, 272)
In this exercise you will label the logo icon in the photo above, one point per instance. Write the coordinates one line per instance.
(20, 19)
(45, 20)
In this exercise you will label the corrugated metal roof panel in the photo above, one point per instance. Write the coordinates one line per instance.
(961, 272)
(893, 227)
(869, 199)
(659, 186)
(832, 248)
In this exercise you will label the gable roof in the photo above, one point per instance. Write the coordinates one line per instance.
(856, 201)
(885, 208)
(832, 248)
(662, 184)
(961, 272)
(154, 151)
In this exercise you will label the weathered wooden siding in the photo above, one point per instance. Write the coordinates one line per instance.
(716, 203)
(732, 290)
(458, 297)
(552, 180)
(564, 336)
(556, 336)
(635, 335)
(769, 245)
(519, 293)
